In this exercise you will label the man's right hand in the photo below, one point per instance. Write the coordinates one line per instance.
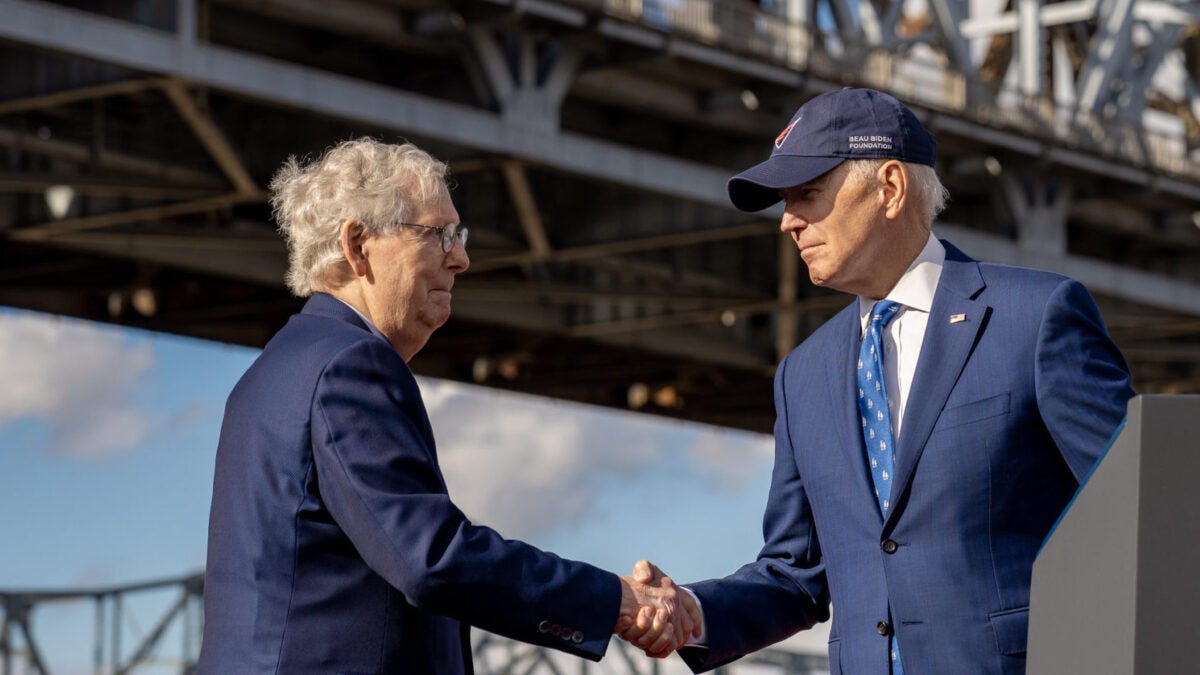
(656, 615)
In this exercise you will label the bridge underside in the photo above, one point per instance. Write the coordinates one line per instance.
(589, 141)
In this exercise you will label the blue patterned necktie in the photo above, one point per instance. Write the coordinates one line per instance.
(877, 422)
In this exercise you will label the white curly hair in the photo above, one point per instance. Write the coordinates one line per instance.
(375, 184)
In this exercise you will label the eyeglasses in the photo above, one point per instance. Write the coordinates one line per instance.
(448, 233)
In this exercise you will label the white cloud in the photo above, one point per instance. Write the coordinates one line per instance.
(528, 465)
(77, 378)
(730, 460)
(191, 415)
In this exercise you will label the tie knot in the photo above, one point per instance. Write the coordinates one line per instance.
(883, 312)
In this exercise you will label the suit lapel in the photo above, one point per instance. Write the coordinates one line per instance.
(842, 368)
(944, 353)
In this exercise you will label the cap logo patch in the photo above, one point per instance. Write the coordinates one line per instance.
(870, 142)
(784, 134)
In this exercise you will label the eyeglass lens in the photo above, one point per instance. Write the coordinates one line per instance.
(448, 235)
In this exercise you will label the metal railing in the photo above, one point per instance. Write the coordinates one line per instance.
(172, 611)
(740, 26)
(118, 645)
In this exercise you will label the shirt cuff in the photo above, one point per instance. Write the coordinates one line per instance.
(701, 641)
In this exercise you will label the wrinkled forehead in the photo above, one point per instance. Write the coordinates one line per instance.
(434, 204)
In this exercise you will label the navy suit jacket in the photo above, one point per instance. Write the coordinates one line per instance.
(333, 545)
(1008, 411)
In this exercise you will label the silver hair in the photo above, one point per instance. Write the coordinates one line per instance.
(375, 184)
(923, 182)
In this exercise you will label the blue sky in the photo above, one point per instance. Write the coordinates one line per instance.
(107, 437)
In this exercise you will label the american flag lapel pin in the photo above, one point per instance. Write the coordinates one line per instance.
(958, 318)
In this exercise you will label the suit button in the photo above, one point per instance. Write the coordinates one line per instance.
(577, 637)
(889, 546)
(883, 628)
(544, 627)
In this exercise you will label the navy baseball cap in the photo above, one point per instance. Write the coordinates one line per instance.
(826, 131)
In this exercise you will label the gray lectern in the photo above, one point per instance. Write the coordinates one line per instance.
(1116, 589)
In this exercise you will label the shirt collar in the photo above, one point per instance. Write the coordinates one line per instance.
(915, 289)
(362, 316)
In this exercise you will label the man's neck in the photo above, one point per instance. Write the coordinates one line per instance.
(350, 295)
(406, 347)
(907, 251)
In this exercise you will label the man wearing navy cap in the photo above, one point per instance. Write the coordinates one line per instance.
(929, 435)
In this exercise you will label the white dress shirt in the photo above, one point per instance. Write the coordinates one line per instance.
(905, 334)
(902, 342)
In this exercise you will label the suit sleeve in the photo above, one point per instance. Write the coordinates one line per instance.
(1083, 384)
(380, 482)
(784, 590)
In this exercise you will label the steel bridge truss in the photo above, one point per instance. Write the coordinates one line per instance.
(173, 609)
(118, 645)
(590, 141)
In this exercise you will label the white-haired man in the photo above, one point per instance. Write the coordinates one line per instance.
(333, 544)
(928, 436)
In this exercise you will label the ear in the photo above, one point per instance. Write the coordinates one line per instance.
(353, 239)
(894, 179)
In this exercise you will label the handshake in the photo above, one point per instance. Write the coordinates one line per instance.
(656, 615)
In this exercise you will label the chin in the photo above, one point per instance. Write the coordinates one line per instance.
(434, 315)
(435, 323)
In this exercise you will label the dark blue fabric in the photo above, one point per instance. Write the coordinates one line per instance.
(333, 544)
(1009, 409)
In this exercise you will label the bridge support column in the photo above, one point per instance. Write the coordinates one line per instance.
(528, 80)
(1039, 204)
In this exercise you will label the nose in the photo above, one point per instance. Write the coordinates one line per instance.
(791, 223)
(457, 260)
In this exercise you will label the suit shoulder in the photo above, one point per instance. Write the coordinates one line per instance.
(325, 336)
(1014, 273)
(1007, 280)
(1021, 283)
(297, 355)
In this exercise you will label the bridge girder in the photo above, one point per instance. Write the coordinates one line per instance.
(172, 608)
(590, 141)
